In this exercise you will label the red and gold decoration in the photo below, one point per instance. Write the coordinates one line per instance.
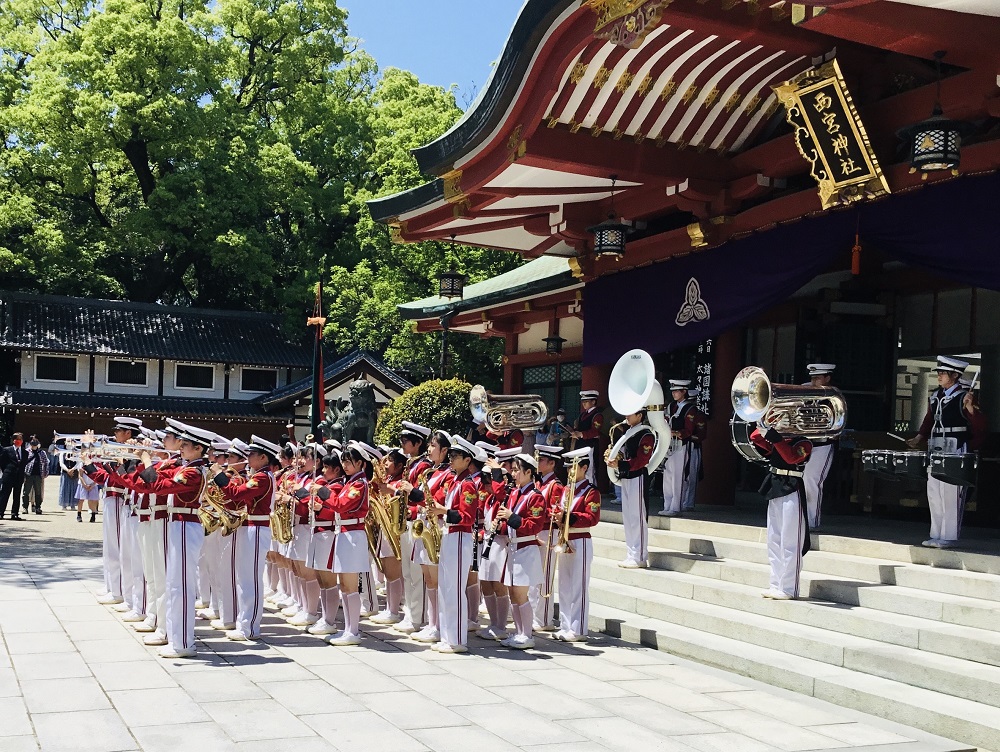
(627, 22)
(831, 137)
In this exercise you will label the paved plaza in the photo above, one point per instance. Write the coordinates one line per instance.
(74, 677)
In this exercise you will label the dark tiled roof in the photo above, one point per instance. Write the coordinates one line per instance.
(52, 323)
(303, 386)
(171, 406)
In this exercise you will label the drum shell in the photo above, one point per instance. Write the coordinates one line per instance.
(910, 464)
(956, 468)
(880, 462)
(739, 433)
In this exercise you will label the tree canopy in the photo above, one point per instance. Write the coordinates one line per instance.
(219, 154)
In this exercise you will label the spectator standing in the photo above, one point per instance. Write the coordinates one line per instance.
(36, 470)
(12, 461)
(69, 481)
(87, 490)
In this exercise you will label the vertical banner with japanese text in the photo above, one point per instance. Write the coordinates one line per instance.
(704, 365)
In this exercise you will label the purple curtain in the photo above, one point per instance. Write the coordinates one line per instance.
(952, 229)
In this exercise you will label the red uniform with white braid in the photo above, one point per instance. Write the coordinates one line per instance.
(574, 568)
(543, 604)
(462, 504)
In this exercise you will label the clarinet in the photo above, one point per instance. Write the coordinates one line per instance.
(476, 527)
(496, 525)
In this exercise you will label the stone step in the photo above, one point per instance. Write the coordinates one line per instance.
(855, 567)
(930, 635)
(956, 610)
(946, 674)
(971, 723)
(971, 561)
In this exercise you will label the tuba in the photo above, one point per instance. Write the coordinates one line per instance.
(633, 387)
(507, 412)
(813, 412)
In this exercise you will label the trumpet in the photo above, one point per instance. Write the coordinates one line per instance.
(111, 451)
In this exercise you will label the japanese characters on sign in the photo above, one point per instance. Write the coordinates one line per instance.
(704, 364)
(830, 136)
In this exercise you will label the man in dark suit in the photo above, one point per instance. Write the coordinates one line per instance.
(12, 462)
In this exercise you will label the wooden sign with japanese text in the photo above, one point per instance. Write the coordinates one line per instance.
(704, 364)
(831, 137)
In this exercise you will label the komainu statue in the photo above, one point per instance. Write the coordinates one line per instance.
(353, 418)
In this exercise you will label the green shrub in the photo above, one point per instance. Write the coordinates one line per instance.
(436, 404)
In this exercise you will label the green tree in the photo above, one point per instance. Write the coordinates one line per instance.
(438, 404)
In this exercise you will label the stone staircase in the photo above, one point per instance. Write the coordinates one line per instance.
(905, 633)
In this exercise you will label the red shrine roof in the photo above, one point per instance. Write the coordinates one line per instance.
(684, 116)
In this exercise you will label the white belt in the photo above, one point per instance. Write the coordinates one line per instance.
(352, 521)
(259, 518)
(182, 510)
(579, 530)
(160, 508)
(960, 429)
(792, 473)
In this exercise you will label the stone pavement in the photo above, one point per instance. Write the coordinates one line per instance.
(74, 677)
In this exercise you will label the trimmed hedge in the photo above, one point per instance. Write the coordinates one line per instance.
(436, 404)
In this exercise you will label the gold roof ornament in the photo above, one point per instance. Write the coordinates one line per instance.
(627, 23)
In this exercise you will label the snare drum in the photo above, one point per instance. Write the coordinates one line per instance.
(740, 432)
(955, 468)
(879, 461)
(910, 465)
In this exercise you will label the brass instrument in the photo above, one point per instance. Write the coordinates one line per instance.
(282, 524)
(506, 412)
(631, 388)
(814, 412)
(215, 515)
(427, 528)
(109, 451)
(387, 514)
(563, 545)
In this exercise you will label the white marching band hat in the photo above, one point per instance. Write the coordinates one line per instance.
(195, 435)
(221, 446)
(414, 429)
(549, 452)
(527, 459)
(820, 369)
(239, 448)
(265, 446)
(582, 454)
(508, 454)
(589, 394)
(677, 384)
(947, 363)
(318, 449)
(128, 424)
(465, 446)
(490, 449)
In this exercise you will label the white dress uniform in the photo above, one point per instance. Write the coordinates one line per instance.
(575, 566)
(632, 461)
(819, 463)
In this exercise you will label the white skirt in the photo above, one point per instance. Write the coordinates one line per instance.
(321, 551)
(422, 557)
(350, 552)
(493, 568)
(525, 569)
(88, 494)
(298, 549)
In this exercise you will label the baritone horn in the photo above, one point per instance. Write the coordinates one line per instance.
(813, 412)
(507, 412)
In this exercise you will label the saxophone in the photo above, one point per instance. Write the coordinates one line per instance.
(215, 515)
(386, 514)
(282, 524)
(427, 529)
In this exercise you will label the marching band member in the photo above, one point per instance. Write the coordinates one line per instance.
(631, 465)
(350, 553)
(114, 518)
(325, 488)
(186, 534)
(552, 490)
(371, 577)
(459, 511)
(253, 538)
(954, 424)
(506, 439)
(210, 560)
(688, 426)
(584, 509)
(394, 462)
(787, 534)
(413, 442)
(306, 611)
(495, 550)
(484, 489)
(523, 517)
(278, 568)
(436, 481)
(587, 427)
(818, 467)
(223, 547)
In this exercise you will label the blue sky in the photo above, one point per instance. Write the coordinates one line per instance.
(443, 41)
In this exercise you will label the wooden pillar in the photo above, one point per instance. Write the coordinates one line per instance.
(718, 456)
(509, 350)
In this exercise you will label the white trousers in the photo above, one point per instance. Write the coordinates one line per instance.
(413, 581)
(154, 565)
(111, 552)
(453, 576)
(816, 470)
(786, 532)
(132, 577)
(673, 482)
(947, 504)
(207, 559)
(634, 519)
(542, 607)
(691, 482)
(224, 578)
(250, 546)
(184, 543)
(574, 585)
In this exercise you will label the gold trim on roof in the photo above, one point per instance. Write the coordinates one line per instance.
(601, 78)
(696, 235)
(578, 72)
(668, 90)
(626, 23)
(690, 94)
(624, 82)
(733, 102)
(453, 186)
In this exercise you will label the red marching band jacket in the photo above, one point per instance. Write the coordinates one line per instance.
(350, 506)
(589, 424)
(439, 480)
(552, 491)
(256, 494)
(636, 454)
(185, 484)
(415, 469)
(326, 494)
(584, 510)
(506, 439)
(529, 516)
(462, 502)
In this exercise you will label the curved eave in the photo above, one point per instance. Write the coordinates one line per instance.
(488, 109)
(389, 207)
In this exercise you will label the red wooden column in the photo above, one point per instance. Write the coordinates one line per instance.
(718, 456)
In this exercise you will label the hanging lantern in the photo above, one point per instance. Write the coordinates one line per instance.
(451, 284)
(611, 235)
(935, 143)
(553, 345)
